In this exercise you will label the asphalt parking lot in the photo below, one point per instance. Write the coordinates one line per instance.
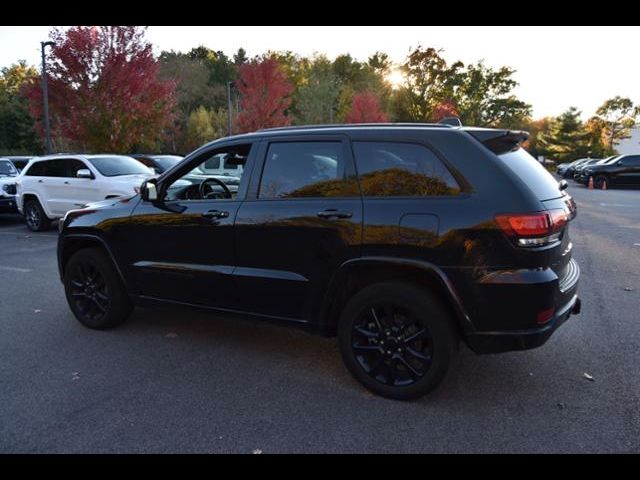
(176, 381)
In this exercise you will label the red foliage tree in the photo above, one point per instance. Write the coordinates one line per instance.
(444, 109)
(365, 108)
(265, 96)
(104, 91)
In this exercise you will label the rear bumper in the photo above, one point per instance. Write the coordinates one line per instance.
(500, 341)
(8, 205)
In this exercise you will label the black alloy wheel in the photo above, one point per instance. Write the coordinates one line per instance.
(397, 339)
(391, 345)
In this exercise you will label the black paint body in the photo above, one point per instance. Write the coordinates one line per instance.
(277, 259)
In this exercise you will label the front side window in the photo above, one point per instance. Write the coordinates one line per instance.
(72, 167)
(119, 166)
(306, 170)
(204, 182)
(402, 170)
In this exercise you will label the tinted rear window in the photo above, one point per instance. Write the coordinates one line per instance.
(537, 178)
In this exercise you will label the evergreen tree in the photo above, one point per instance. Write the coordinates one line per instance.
(566, 139)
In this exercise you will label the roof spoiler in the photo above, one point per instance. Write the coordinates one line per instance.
(451, 121)
(500, 141)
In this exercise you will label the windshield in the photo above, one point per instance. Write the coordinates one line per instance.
(118, 166)
(539, 180)
(165, 162)
(7, 168)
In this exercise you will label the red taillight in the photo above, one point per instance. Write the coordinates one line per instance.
(533, 229)
(528, 225)
(559, 219)
(545, 315)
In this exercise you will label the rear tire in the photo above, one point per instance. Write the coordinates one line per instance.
(94, 290)
(397, 340)
(37, 220)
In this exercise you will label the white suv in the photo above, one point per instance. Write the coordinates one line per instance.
(49, 187)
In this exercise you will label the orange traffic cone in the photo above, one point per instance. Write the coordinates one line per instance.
(604, 184)
(590, 183)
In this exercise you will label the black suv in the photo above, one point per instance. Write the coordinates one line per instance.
(399, 239)
(621, 171)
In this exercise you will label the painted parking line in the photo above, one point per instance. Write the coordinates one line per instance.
(622, 205)
(14, 269)
(29, 235)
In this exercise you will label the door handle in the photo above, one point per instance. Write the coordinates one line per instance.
(40, 181)
(66, 183)
(215, 214)
(332, 213)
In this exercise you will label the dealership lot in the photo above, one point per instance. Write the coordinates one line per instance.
(181, 381)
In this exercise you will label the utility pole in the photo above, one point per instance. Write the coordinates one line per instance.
(45, 98)
(229, 108)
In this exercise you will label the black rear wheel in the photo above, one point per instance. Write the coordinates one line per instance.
(94, 290)
(397, 340)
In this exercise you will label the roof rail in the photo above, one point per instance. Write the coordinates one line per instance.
(353, 125)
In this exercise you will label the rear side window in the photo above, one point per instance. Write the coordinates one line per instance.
(537, 178)
(306, 170)
(47, 168)
(402, 170)
(632, 162)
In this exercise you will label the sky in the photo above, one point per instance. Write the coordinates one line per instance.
(557, 67)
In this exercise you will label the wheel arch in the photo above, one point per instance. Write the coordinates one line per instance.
(356, 274)
(72, 243)
(27, 196)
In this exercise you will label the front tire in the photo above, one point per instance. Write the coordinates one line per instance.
(37, 220)
(397, 340)
(94, 290)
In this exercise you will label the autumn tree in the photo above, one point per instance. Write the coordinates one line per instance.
(445, 109)
(366, 109)
(430, 81)
(315, 101)
(485, 98)
(104, 90)
(205, 126)
(265, 96)
(17, 128)
(620, 116)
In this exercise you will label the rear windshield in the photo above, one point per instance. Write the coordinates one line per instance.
(538, 179)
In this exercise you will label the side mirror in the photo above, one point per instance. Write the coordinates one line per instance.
(149, 191)
(563, 185)
(84, 173)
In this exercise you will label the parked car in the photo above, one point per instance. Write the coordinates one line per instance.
(19, 162)
(159, 163)
(8, 174)
(566, 170)
(579, 175)
(621, 171)
(401, 240)
(578, 170)
(50, 186)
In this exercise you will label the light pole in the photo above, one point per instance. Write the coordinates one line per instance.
(229, 108)
(45, 97)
